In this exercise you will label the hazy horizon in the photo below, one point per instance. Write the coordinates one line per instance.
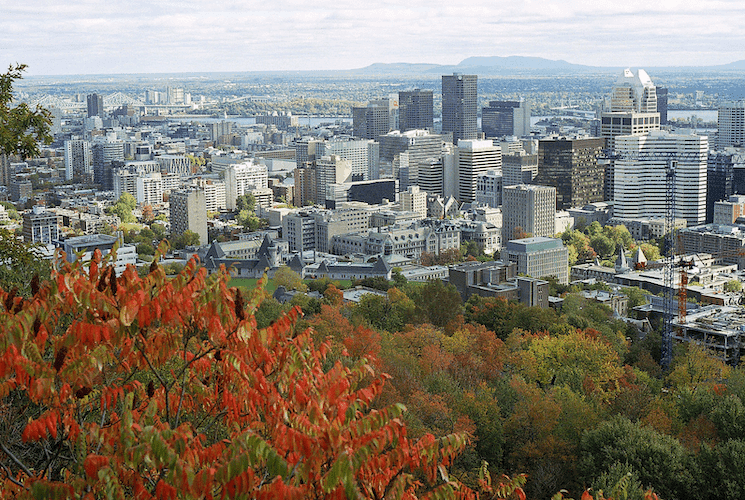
(89, 37)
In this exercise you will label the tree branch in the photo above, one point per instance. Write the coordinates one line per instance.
(14, 459)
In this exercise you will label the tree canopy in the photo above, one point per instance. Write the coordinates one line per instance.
(22, 129)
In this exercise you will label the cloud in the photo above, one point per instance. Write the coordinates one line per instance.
(92, 36)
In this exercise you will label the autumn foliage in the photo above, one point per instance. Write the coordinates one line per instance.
(150, 387)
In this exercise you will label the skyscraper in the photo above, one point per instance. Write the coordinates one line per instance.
(108, 154)
(188, 211)
(641, 188)
(631, 110)
(474, 159)
(421, 146)
(377, 118)
(502, 118)
(662, 104)
(415, 110)
(459, 106)
(78, 163)
(731, 119)
(571, 166)
(95, 105)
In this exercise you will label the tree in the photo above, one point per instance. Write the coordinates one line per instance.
(123, 208)
(733, 286)
(21, 128)
(148, 216)
(245, 202)
(22, 267)
(249, 220)
(186, 239)
(142, 387)
(286, 277)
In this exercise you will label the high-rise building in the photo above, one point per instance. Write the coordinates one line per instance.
(377, 118)
(305, 185)
(362, 154)
(108, 154)
(415, 110)
(630, 110)
(531, 208)
(474, 159)
(188, 211)
(421, 146)
(331, 169)
(571, 166)
(519, 168)
(460, 106)
(242, 179)
(502, 118)
(641, 173)
(489, 189)
(305, 151)
(431, 177)
(95, 105)
(731, 120)
(78, 160)
(662, 104)
(149, 188)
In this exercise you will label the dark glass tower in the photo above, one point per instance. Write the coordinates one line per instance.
(459, 106)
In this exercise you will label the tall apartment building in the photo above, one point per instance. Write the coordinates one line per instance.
(460, 106)
(78, 160)
(421, 147)
(571, 166)
(188, 211)
(731, 121)
(95, 105)
(107, 154)
(415, 110)
(474, 159)
(630, 110)
(305, 185)
(531, 208)
(377, 118)
(502, 118)
(242, 178)
(640, 188)
(215, 198)
(149, 189)
(540, 257)
(40, 226)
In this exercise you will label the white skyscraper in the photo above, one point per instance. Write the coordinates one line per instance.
(363, 154)
(731, 119)
(474, 159)
(78, 160)
(640, 186)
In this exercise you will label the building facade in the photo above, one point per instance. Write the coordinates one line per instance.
(475, 158)
(459, 106)
(731, 122)
(571, 166)
(531, 208)
(415, 110)
(540, 257)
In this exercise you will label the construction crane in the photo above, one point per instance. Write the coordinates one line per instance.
(671, 286)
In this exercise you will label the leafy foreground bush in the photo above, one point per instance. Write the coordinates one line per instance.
(150, 387)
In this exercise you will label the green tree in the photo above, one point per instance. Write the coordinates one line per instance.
(603, 245)
(186, 239)
(20, 263)
(286, 277)
(438, 303)
(245, 202)
(123, 208)
(733, 286)
(21, 128)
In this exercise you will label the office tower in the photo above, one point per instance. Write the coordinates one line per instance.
(519, 168)
(331, 169)
(305, 151)
(220, 130)
(415, 110)
(459, 106)
(363, 155)
(630, 110)
(243, 178)
(731, 120)
(662, 104)
(431, 177)
(571, 166)
(475, 158)
(531, 208)
(414, 200)
(421, 147)
(40, 226)
(95, 105)
(503, 118)
(377, 118)
(720, 177)
(108, 154)
(78, 161)
(540, 257)
(641, 168)
(188, 211)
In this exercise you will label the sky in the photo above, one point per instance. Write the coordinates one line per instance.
(61, 37)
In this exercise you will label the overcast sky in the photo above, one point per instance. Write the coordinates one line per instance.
(55, 37)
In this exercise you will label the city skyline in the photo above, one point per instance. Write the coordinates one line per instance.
(92, 37)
